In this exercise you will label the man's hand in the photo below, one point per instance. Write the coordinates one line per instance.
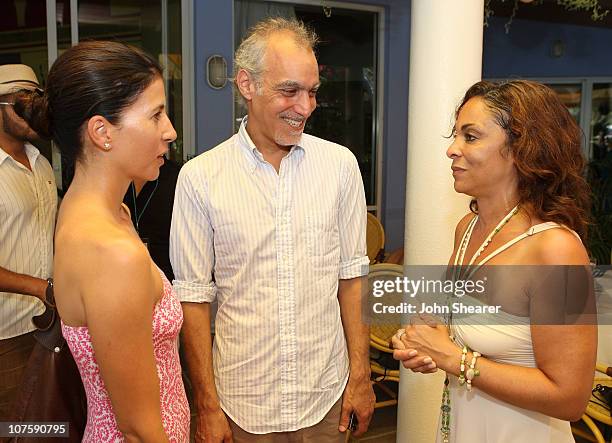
(358, 398)
(213, 427)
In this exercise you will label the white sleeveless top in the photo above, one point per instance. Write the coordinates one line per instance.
(477, 417)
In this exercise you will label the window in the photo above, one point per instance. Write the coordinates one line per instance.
(152, 25)
(600, 170)
(590, 103)
(348, 108)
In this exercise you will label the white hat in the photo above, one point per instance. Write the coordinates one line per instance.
(17, 77)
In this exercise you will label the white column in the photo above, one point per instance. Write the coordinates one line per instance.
(445, 59)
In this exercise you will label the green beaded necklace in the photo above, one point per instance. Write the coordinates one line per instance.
(469, 271)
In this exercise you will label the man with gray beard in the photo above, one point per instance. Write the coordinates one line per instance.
(279, 218)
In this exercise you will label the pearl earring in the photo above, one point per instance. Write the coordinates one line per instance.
(107, 146)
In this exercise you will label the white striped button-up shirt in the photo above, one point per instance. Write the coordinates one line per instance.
(28, 206)
(277, 244)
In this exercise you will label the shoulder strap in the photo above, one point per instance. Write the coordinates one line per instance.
(467, 234)
(531, 231)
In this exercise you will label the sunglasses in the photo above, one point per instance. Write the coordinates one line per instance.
(36, 90)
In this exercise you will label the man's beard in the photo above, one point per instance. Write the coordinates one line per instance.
(287, 136)
(20, 132)
(284, 139)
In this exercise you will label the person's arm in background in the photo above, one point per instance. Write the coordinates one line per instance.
(19, 283)
(22, 284)
(192, 258)
(358, 395)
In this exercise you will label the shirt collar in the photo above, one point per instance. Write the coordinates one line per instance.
(31, 152)
(252, 155)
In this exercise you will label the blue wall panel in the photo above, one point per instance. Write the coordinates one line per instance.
(527, 50)
(214, 34)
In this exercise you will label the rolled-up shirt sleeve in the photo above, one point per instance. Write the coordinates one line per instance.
(191, 239)
(354, 261)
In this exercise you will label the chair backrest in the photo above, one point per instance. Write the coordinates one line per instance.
(382, 331)
(375, 237)
(396, 256)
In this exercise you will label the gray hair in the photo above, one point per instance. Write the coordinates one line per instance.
(250, 54)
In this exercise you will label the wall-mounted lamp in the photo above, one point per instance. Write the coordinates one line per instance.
(558, 49)
(216, 71)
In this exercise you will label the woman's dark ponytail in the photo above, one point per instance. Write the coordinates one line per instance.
(33, 107)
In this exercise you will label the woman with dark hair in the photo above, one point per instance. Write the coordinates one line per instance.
(518, 374)
(105, 108)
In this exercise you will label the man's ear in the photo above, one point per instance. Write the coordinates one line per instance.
(246, 84)
(99, 132)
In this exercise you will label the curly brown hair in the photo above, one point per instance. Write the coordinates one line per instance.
(544, 141)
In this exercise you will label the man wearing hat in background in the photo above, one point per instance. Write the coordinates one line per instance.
(28, 207)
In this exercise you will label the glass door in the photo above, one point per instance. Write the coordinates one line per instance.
(600, 172)
(348, 99)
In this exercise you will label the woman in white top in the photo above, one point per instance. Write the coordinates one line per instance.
(516, 152)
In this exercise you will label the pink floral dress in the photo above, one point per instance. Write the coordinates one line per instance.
(101, 424)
